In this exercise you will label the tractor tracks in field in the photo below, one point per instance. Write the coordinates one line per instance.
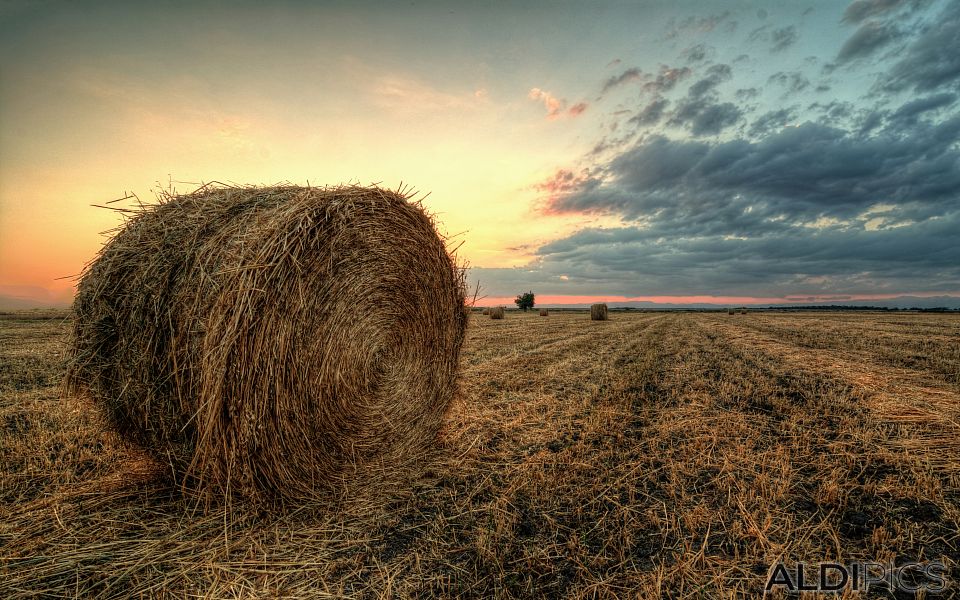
(927, 407)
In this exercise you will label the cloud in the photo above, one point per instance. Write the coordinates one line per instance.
(666, 79)
(696, 24)
(638, 260)
(651, 113)
(798, 174)
(794, 81)
(867, 40)
(807, 209)
(702, 116)
(911, 110)
(553, 104)
(783, 38)
(746, 94)
(771, 121)
(860, 10)
(700, 111)
(577, 109)
(695, 54)
(715, 75)
(631, 74)
(929, 61)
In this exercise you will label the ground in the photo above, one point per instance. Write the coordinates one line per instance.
(674, 455)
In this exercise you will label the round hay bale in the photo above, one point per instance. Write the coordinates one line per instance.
(486, 312)
(496, 312)
(273, 342)
(730, 311)
(544, 312)
(598, 312)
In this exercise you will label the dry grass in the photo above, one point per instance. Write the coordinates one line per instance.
(599, 312)
(664, 455)
(277, 342)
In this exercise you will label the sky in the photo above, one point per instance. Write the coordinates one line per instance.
(670, 151)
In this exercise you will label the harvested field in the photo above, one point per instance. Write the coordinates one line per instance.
(658, 455)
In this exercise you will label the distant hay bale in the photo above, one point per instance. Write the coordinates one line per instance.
(598, 312)
(486, 312)
(544, 312)
(496, 312)
(730, 311)
(273, 342)
(743, 310)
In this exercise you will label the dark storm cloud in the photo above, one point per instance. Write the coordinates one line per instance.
(909, 112)
(860, 197)
(788, 212)
(783, 38)
(651, 113)
(700, 111)
(705, 117)
(771, 121)
(871, 122)
(799, 174)
(637, 260)
(834, 111)
(860, 10)
(867, 40)
(931, 61)
(715, 75)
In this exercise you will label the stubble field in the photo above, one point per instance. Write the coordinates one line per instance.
(653, 455)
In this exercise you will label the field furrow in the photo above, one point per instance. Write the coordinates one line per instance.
(653, 455)
(928, 406)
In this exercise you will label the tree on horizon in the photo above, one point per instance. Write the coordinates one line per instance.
(525, 301)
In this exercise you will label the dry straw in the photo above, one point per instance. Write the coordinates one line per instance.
(598, 312)
(544, 312)
(496, 312)
(273, 342)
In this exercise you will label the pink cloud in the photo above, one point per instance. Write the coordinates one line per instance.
(553, 104)
(556, 107)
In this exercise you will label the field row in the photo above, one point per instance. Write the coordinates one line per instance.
(655, 454)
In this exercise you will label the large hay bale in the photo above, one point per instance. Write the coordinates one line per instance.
(544, 312)
(598, 312)
(496, 312)
(730, 311)
(486, 312)
(273, 342)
